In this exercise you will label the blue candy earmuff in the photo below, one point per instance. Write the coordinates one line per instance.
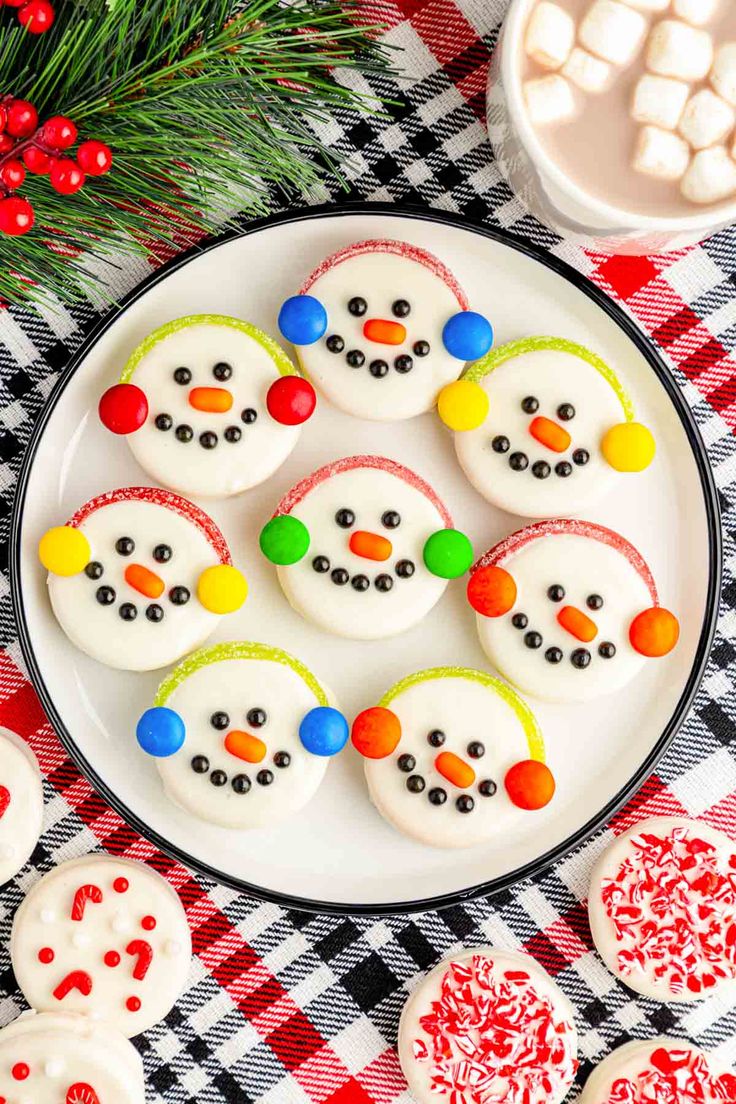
(324, 731)
(160, 732)
(467, 335)
(302, 320)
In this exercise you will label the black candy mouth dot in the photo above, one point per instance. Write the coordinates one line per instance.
(208, 439)
(580, 657)
(378, 366)
(240, 782)
(361, 583)
(518, 460)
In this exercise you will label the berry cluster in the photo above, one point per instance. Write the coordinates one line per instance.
(35, 15)
(27, 147)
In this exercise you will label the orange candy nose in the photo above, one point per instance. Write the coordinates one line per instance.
(384, 332)
(654, 632)
(455, 769)
(243, 745)
(372, 546)
(491, 591)
(376, 732)
(530, 784)
(577, 623)
(144, 581)
(215, 400)
(550, 434)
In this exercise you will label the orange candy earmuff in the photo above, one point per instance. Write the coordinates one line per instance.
(376, 732)
(530, 784)
(491, 591)
(654, 632)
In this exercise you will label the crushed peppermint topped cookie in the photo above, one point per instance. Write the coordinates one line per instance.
(659, 1071)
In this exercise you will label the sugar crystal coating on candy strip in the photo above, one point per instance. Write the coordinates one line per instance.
(169, 501)
(397, 248)
(512, 544)
(350, 463)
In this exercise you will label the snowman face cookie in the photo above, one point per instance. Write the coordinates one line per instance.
(62, 1058)
(210, 405)
(544, 426)
(452, 757)
(380, 327)
(21, 803)
(364, 547)
(242, 734)
(104, 937)
(568, 610)
(672, 1070)
(138, 577)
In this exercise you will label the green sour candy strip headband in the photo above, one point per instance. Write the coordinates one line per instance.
(526, 718)
(483, 367)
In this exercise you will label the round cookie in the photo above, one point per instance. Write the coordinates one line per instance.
(568, 610)
(543, 427)
(104, 937)
(652, 1070)
(452, 757)
(662, 907)
(62, 1058)
(139, 577)
(488, 1025)
(364, 547)
(380, 327)
(242, 734)
(21, 803)
(210, 405)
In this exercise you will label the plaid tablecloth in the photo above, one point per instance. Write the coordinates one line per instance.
(289, 1008)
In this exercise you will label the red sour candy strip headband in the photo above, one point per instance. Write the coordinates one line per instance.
(158, 497)
(398, 249)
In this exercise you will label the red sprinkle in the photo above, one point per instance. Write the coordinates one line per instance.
(133, 1004)
(112, 958)
(120, 885)
(148, 923)
(46, 955)
(20, 1071)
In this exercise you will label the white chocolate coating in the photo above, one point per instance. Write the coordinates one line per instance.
(632, 1063)
(554, 378)
(584, 567)
(21, 803)
(116, 923)
(381, 279)
(528, 1087)
(70, 1060)
(230, 467)
(342, 610)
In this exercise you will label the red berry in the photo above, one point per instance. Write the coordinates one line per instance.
(94, 157)
(12, 174)
(123, 409)
(59, 132)
(36, 160)
(36, 16)
(3, 117)
(6, 143)
(291, 400)
(16, 216)
(22, 118)
(66, 176)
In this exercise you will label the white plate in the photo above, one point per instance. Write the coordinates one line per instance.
(338, 854)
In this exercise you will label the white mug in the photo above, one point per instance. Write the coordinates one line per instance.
(549, 193)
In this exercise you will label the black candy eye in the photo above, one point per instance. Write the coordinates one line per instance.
(220, 720)
(555, 593)
(125, 546)
(345, 518)
(183, 376)
(162, 553)
(357, 306)
(436, 737)
(476, 750)
(400, 308)
(530, 405)
(565, 412)
(256, 718)
(391, 519)
(222, 371)
(594, 601)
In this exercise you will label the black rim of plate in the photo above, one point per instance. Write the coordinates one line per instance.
(710, 495)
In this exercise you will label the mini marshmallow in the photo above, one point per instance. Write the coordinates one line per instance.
(678, 50)
(613, 31)
(697, 12)
(549, 100)
(723, 74)
(711, 176)
(587, 72)
(706, 120)
(649, 5)
(660, 153)
(550, 35)
(659, 101)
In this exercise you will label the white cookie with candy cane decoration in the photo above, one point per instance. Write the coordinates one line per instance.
(104, 937)
(210, 405)
(492, 1023)
(661, 1069)
(662, 907)
(381, 326)
(138, 577)
(21, 803)
(64, 1058)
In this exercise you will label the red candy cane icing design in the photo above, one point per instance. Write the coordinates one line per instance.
(81, 1093)
(143, 952)
(77, 979)
(84, 894)
(4, 800)
(672, 904)
(494, 1040)
(673, 1077)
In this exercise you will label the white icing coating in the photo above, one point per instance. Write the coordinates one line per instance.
(553, 377)
(466, 711)
(138, 645)
(583, 566)
(147, 895)
(235, 686)
(380, 279)
(420, 1004)
(370, 614)
(63, 1050)
(21, 798)
(230, 467)
(640, 975)
(632, 1062)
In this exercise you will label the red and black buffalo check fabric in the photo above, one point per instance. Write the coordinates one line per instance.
(291, 1008)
